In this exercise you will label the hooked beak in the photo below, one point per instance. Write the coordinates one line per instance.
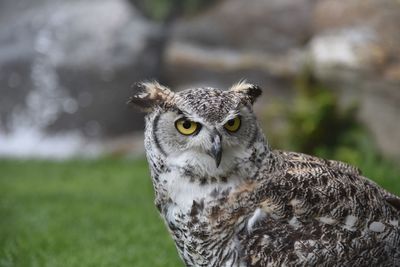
(216, 148)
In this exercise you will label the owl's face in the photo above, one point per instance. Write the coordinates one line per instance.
(205, 128)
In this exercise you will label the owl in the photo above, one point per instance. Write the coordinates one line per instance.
(228, 199)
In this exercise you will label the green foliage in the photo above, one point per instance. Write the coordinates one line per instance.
(162, 10)
(317, 123)
(80, 213)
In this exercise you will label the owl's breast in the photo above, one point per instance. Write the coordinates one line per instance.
(201, 239)
(196, 222)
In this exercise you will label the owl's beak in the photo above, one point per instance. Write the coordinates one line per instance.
(216, 148)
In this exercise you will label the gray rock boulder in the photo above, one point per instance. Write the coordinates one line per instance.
(271, 26)
(238, 39)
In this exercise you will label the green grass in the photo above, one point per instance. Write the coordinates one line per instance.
(80, 213)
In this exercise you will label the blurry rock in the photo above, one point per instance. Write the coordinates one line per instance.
(349, 47)
(67, 67)
(369, 28)
(380, 111)
(274, 26)
(257, 40)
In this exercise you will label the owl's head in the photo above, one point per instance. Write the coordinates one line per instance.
(208, 129)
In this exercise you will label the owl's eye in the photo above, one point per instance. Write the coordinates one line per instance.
(187, 127)
(233, 125)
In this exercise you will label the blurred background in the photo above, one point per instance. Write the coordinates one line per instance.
(74, 185)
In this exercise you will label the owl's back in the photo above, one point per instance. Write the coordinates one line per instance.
(316, 212)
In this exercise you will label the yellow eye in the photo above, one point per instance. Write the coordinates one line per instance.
(187, 127)
(233, 125)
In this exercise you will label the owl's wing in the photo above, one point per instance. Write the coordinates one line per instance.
(313, 211)
(390, 198)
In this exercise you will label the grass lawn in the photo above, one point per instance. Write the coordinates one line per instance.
(80, 213)
(92, 213)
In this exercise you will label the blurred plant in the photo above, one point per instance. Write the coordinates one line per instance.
(316, 122)
(161, 10)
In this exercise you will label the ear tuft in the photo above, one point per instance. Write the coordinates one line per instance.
(151, 95)
(248, 91)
